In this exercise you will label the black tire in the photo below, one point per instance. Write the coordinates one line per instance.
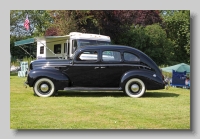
(44, 87)
(135, 88)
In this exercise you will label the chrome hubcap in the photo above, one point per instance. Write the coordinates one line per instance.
(44, 87)
(135, 88)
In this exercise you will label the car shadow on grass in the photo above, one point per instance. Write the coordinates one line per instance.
(160, 94)
(111, 94)
(90, 94)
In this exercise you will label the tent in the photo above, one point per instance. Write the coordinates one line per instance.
(178, 68)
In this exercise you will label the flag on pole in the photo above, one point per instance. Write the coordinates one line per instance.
(26, 23)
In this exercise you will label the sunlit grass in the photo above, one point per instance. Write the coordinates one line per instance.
(160, 109)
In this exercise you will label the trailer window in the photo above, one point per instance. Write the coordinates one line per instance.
(42, 50)
(66, 48)
(83, 42)
(57, 48)
(74, 44)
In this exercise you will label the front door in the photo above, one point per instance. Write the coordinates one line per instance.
(85, 70)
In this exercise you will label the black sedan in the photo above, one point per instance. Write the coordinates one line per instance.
(108, 68)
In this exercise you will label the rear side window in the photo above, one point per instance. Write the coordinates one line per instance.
(130, 57)
(111, 56)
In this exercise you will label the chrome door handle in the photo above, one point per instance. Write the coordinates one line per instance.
(103, 67)
(96, 67)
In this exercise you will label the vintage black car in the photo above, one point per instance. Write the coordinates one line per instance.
(108, 68)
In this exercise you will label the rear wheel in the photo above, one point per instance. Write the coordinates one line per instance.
(135, 88)
(44, 87)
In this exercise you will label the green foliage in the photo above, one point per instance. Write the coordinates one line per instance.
(151, 39)
(177, 26)
(63, 22)
(40, 20)
(159, 47)
(16, 62)
(28, 59)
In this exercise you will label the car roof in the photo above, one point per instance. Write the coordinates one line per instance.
(102, 47)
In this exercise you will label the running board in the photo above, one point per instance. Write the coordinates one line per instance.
(91, 89)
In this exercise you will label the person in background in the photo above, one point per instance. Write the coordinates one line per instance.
(187, 82)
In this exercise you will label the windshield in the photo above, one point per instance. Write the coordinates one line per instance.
(82, 42)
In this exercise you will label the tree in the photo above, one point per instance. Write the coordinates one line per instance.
(63, 22)
(106, 22)
(112, 22)
(147, 17)
(159, 47)
(177, 26)
(39, 22)
(151, 40)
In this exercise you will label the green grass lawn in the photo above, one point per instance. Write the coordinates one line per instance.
(160, 109)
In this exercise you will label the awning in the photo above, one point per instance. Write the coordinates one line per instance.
(27, 41)
(46, 38)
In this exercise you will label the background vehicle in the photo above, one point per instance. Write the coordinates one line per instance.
(63, 47)
(102, 67)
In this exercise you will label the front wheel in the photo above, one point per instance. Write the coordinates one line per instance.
(44, 87)
(134, 88)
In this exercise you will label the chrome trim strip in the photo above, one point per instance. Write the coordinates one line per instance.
(91, 89)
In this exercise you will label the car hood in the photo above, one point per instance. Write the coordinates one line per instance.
(50, 63)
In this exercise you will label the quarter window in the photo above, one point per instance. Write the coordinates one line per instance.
(87, 56)
(130, 57)
(111, 56)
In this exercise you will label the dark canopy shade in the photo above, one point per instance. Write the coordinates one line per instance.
(27, 41)
(178, 68)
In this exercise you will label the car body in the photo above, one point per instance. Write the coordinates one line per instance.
(102, 67)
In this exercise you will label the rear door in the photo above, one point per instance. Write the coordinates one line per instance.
(111, 68)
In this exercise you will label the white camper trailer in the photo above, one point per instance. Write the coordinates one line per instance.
(63, 47)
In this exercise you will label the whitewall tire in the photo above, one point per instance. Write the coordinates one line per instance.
(44, 87)
(135, 88)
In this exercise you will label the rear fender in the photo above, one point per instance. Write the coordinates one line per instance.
(150, 79)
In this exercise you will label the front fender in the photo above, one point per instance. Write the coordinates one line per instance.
(151, 80)
(59, 79)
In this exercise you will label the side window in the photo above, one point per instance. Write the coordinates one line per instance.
(111, 56)
(42, 50)
(87, 56)
(57, 48)
(130, 57)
